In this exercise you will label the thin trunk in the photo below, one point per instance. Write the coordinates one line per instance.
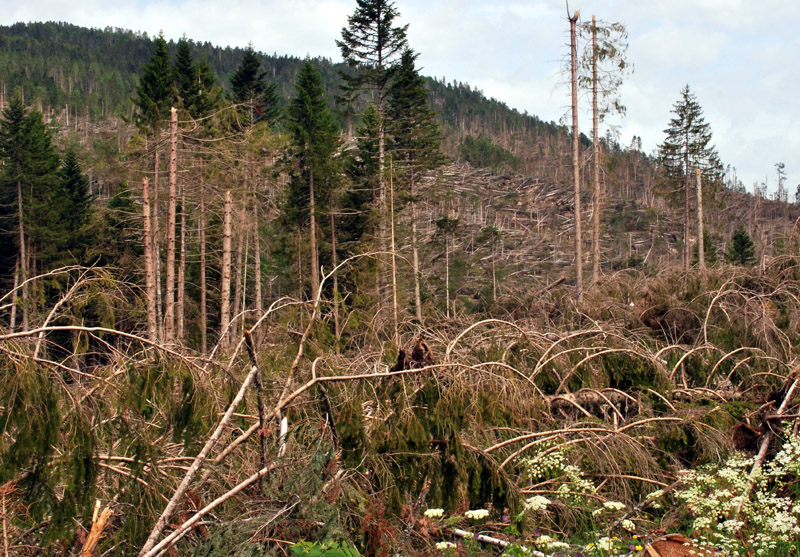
(203, 288)
(447, 274)
(394, 255)
(238, 279)
(415, 258)
(494, 275)
(313, 236)
(576, 157)
(156, 253)
(149, 269)
(336, 324)
(257, 262)
(12, 322)
(179, 309)
(23, 258)
(225, 286)
(596, 161)
(701, 261)
(169, 302)
(687, 254)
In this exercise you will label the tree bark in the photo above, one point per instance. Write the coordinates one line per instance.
(576, 171)
(239, 276)
(312, 236)
(701, 261)
(259, 303)
(596, 163)
(149, 269)
(181, 299)
(394, 255)
(225, 284)
(687, 252)
(156, 253)
(336, 325)
(415, 257)
(23, 258)
(169, 302)
(203, 287)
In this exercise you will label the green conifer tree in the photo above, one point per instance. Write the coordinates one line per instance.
(250, 87)
(686, 147)
(314, 136)
(74, 201)
(155, 94)
(185, 77)
(742, 250)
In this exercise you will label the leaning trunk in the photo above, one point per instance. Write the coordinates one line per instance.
(149, 268)
(225, 285)
(169, 302)
(576, 158)
(596, 164)
(701, 261)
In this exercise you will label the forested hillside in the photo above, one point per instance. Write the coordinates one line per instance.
(259, 305)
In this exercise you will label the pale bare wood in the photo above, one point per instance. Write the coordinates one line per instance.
(172, 201)
(225, 284)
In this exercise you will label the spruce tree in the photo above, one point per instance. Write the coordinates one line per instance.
(250, 87)
(155, 94)
(314, 133)
(75, 205)
(27, 181)
(185, 77)
(741, 250)
(686, 147)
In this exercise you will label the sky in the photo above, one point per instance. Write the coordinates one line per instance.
(739, 57)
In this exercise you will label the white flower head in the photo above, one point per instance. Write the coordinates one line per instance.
(434, 513)
(477, 514)
(445, 545)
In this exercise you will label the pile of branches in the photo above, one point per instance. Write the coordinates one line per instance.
(112, 443)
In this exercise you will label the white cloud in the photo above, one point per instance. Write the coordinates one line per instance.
(737, 55)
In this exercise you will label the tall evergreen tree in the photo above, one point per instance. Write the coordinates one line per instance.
(686, 147)
(314, 133)
(75, 206)
(415, 140)
(27, 180)
(155, 94)
(185, 77)
(373, 46)
(251, 88)
(741, 250)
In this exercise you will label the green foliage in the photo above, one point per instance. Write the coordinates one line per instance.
(482, 152)
(327, 549)
(154, 94)
(250, 87)
(741, 250)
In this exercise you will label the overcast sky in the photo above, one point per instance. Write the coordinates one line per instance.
(738, 56)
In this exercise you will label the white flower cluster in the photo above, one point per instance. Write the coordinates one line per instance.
(738, 519)
(628, 525)
(434, 513)
(445, 545)
(537, 503)
(546, 542)
(605, 544)
(611, 506)
(544, 464)
(477, 514)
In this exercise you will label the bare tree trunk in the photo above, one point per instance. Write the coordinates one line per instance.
(149, 269)
(596, 163)
(415, 257)
(203, 288)
(257, 262)
(576, 171)
(238, 279)
(701, 261)
(181, 302)
(447, 273)
(169, 302)
(394, 255)
(312, 236)
(225, 286)
(687, 253)
(156, 244)
(336, 325)
(12, 322)
(23, 257)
